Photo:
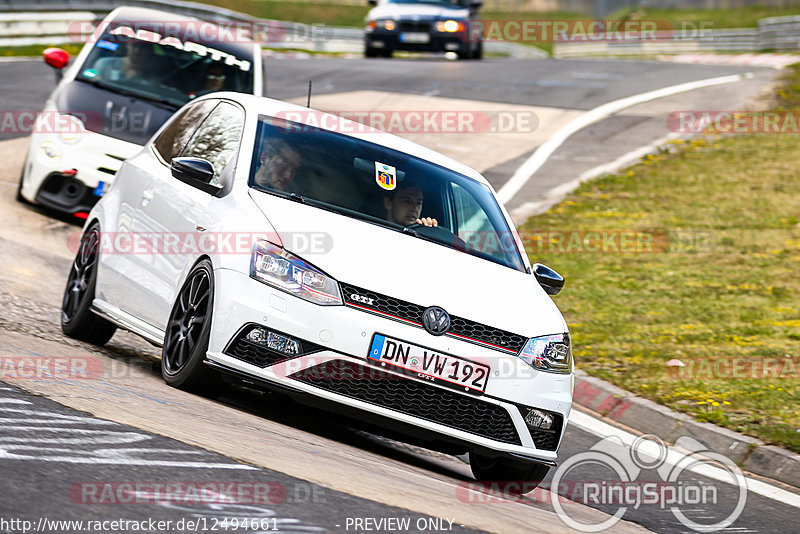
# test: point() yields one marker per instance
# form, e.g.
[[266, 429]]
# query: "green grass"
[[305, 12], [719, 287], [739, 17], [36, 50]]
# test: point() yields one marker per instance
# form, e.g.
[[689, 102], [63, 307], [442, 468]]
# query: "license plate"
[[429, 364], [415, 37]]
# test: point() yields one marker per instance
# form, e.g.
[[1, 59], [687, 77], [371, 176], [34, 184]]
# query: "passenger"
[[278, 165], [404, 206], [215, 78]]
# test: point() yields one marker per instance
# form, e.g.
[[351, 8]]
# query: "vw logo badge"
[[436, 321]]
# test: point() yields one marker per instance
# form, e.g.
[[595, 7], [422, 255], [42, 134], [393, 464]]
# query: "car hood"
[[423, 11], [119, 116], [408, 268]]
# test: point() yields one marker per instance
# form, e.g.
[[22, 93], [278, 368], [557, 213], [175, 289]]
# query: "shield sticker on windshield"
[[385, 176]]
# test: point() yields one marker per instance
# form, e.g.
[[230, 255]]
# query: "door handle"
[[147, 196]]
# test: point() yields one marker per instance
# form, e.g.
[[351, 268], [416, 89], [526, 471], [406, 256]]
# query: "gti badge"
[[362, 299]]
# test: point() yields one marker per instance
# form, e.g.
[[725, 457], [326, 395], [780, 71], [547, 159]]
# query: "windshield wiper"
[[116, 89]]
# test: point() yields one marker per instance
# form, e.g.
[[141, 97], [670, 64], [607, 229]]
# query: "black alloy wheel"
[[77, 319], [187, 335]]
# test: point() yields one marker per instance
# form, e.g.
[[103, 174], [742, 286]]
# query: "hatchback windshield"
[[163, 69], [382, 186]]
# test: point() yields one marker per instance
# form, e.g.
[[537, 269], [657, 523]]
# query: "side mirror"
[[476, 5], [372, 3], [551, 281], [56, 58], [197, 172]]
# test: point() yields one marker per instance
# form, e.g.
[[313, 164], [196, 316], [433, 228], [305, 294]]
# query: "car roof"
[[183, 27], [278, 108]]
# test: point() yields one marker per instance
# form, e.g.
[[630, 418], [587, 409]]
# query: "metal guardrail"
[[773, 34]]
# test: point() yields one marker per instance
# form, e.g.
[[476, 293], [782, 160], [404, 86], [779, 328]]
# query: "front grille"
[[413, 398], [414, 26], [546, 440], [412, 314], [253, 353]]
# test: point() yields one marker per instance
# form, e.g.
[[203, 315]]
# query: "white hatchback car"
[[141, 66], [251, 242]]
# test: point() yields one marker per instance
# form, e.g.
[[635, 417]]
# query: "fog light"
[[274, 341], [539, 419], [282, 344]]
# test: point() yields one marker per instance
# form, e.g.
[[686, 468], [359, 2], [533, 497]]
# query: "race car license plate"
[[415, 37], [429, 364]]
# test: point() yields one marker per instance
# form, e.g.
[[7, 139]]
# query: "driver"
[[138, 64], [404, 206], [279, 162]]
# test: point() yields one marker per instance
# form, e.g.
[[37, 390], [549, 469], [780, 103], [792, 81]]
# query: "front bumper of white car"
[[332, 366], [70, 173]]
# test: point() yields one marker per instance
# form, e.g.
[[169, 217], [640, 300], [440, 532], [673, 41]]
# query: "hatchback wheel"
[[77, 319], [187, 335], [504, 469]]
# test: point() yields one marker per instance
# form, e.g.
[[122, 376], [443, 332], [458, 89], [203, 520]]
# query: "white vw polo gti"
[[257, 240]]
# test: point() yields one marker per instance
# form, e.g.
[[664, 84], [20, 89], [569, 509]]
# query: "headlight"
[[549, 353], [450, 26], [70, 128], [279, 268], [384, 24]]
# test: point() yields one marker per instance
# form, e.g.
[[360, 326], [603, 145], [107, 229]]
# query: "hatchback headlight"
[[281, 269], [69, 128], [549, 353]]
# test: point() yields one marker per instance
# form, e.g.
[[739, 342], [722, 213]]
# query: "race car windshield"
[[379, 185], [170, 71]]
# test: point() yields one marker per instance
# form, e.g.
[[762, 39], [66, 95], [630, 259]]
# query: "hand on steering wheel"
[[425, 221]]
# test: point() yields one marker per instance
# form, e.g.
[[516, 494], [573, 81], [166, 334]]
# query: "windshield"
[[170, 71], [370, 182]]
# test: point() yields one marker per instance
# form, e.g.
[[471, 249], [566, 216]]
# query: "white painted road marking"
[[546, 149], [69, 443]]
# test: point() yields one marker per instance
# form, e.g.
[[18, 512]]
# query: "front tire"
[[187, 335], [77, 319], [505, 469]]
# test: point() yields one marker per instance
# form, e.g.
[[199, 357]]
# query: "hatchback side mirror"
[[56, 58], [476, 5], [197, 172], [551, 281], [372, 3]]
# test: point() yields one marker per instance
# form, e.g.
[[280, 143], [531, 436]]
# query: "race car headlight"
[[450, 26], [383, 24], [549, 353], [281, 269], [69, 128]]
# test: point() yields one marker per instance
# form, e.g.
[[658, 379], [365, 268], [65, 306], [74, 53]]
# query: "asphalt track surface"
[[40, 487]]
